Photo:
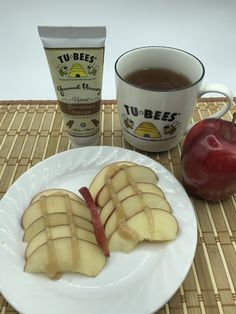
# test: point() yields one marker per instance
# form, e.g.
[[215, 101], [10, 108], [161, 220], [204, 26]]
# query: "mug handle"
[[216, 88]]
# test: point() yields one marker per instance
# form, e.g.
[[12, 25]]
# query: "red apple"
[[96, 221], [208, 159]]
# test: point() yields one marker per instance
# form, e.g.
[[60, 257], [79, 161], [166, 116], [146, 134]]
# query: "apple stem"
[[228, 135], [96, 221]]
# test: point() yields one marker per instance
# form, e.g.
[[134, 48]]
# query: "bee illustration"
[[92, 69], [128, 122], [63, 70], [171, 128]]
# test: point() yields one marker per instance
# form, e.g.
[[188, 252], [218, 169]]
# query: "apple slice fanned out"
[[54, 204], [135, 200], [99, 179], [60, 256], [62, 231], [54, 219], [61, 236], [132, 205], [136, 188], [123, 178], [165, 228], [60, 192]]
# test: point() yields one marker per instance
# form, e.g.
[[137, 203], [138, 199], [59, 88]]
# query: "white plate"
[[139, 282]]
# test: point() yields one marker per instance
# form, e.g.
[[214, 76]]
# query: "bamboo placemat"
[[31, 131]]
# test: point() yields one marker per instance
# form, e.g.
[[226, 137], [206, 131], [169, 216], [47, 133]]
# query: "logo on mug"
[[149, 128]]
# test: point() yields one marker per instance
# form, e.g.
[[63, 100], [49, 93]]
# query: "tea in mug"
[[158, 79]]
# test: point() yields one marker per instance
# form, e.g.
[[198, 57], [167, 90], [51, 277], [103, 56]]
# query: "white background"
[[205, 28]]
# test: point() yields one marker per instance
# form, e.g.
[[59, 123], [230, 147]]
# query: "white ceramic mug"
[[154, 120]]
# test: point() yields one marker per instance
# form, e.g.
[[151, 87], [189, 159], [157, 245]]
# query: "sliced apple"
[[54, 204], [97, 225], [99, 179], [59, 255], [61, 192], [54, 219], [132, 205], [165, 229], [62, 231], [139, 186], [123, 178], [126, 192]]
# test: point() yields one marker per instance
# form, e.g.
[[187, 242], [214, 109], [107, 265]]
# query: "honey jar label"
[[77, 78]]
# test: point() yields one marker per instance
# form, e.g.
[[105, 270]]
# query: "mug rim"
[[159, 90]]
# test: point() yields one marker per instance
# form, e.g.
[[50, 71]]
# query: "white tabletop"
[[204, 28]]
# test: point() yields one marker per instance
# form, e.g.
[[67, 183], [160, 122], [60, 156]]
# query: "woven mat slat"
[[31, 131]]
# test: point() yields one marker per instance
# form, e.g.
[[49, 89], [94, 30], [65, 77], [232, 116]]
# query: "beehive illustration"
[[77, 71], [147, 129]]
